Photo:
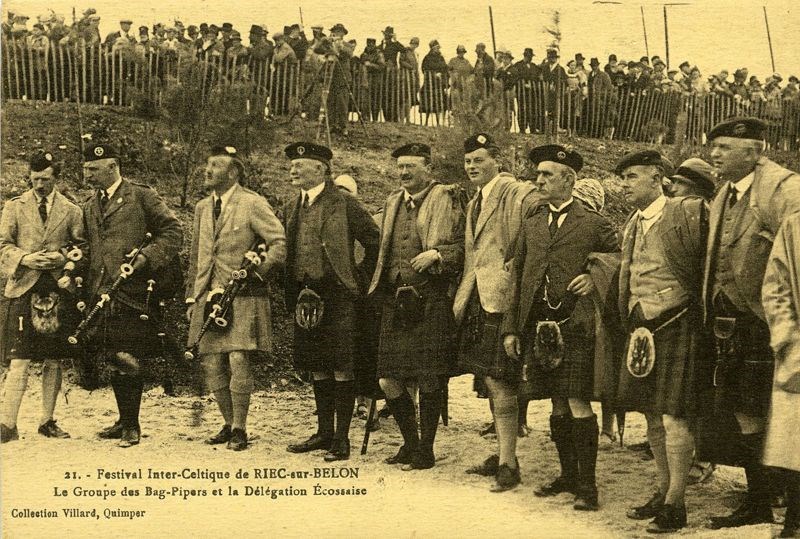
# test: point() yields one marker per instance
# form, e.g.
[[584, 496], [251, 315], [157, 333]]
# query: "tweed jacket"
[[22, 232]]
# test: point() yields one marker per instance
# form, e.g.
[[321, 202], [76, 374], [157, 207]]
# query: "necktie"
[[305, 200], [410, 204], [217, 208], [103, 200], [554, 217], [476, 210], [733, 196], [43, 209]]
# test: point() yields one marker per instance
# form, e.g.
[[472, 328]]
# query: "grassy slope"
[[27, 126]]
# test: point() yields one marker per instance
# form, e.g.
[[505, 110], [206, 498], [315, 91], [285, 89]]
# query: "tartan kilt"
[[480, 346], [332, 345], [673, 386], [573, 378], [121, 330], [423, 348], [249, 328], [22, 341]]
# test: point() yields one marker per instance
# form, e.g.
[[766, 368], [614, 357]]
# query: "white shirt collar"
[[224, 197], [312, 193], [49, 198], [113, 188], [564, 205], [654, 209], [743, 185], [486, 190]]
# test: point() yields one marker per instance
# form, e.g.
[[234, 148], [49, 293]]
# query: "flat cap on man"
[[227, 26], [697, 172], [126, 21], [557, 154], [478, 141], [740, 127], [40, 161], [414, 149], [95, 152], [643, 157], [309, 150]]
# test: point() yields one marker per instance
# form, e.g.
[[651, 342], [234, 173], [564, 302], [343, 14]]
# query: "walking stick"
[[445, 398], [367, 427], [621, 426]]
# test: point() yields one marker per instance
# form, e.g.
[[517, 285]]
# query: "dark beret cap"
[[308, 150], [95, 152], [478, 141], [414, 150], [40, 161], [740, 127], [557, 154], [644, 157], [230, 151]]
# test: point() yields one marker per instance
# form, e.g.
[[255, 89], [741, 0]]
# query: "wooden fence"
[[94, 74]]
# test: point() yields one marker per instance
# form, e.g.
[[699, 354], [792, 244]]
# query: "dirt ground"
[[442, 502]]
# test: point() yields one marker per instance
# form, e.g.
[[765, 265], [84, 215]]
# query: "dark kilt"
[[480, 345], [672, 387], [121, 330], [573, 378], [332, 345], [28, 343], [423, 348], [365, 360]]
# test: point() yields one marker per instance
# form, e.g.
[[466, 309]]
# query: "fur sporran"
[[549, 345], [309, 310], [44, 312], [641, 356]]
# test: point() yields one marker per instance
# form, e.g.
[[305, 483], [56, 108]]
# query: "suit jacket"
[[22, 232], [774, 195], [566, 254], [489, 248], [440, 225], [600, 82], [344, 221], [220, 247], [134, 210]]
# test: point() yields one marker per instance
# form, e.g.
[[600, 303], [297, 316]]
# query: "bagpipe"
[[125, 271], [219, 306]]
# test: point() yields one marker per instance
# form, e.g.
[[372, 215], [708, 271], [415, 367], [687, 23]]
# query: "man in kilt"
[[40, 232], [492, 224], [323, 284], [663, 249], [229, 223], [549, 327], [744, 217], [117, 218], [421, 253]]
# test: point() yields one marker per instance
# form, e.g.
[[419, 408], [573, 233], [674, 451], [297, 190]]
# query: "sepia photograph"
[[460, 268]]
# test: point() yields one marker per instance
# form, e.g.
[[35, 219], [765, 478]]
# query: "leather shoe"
[[403, 456], [130, 436], [586, 499], [51, 430], [8, 434], [317, 441], [649, 510], [487, 468], [506, 478], [670, 519], [555, 487], [221, 437], [746, 514], [340, 450], [114, 432], [238, 440], [421, 460]]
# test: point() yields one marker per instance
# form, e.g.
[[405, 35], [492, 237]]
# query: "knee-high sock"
[[136, 384], [324, 396], [561, 434], [656, 437], [240, 404], [758, 480], [680, 450], [584, 435], [120, 386], [505, 418], [13, 390], [792, 481], [225, 404], [345, 403], [51, 385], [430, 408], [522, 414], [405, 415]]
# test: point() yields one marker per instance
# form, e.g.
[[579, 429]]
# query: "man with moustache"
[[755, 198], [663, 247], [37, 232], [116, 217], [492, 225], [228, 223], [323, 284], [549, 278], [421, 253]]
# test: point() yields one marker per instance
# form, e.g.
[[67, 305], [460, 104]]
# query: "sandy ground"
[[442, 502]]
